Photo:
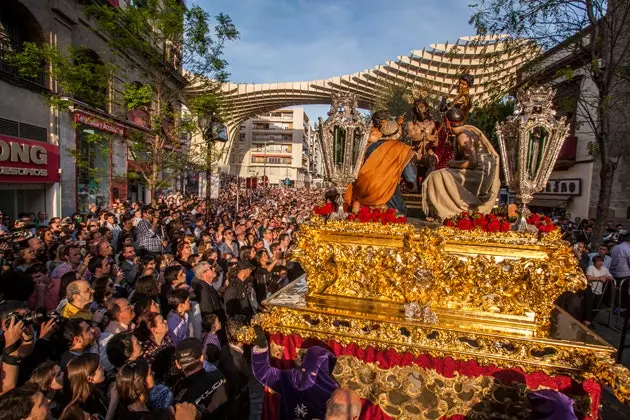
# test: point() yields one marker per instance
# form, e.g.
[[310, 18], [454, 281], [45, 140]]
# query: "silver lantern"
[[530, 141], [343, 138]]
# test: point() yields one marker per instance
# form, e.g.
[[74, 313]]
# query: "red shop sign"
[[101, 124], [28, 161]]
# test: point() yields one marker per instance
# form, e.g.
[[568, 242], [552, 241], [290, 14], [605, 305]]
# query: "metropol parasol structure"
[[434, 70]]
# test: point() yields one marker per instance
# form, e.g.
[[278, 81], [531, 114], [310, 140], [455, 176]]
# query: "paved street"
[[611, 408]]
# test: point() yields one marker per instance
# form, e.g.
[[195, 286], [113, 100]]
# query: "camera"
[[36, 317]]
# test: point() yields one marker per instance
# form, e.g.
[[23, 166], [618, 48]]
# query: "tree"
[[486, 118], [595, 32], [155, 40]]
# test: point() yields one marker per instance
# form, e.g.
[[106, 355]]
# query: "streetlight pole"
[[265, 164], [205, 123]]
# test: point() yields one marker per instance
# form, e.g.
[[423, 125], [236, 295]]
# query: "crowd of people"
[[605, 262], [137, 311], [134, 311]]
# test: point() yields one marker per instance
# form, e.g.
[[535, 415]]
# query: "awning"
[[551, 203]]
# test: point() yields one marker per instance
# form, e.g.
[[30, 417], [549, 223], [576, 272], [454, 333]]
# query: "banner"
[[28, 161]]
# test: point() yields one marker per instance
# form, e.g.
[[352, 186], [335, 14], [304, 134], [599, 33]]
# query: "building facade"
[[279, 145], [38, 143], [573, 187]]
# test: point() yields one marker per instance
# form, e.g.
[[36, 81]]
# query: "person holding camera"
[[149, 241]]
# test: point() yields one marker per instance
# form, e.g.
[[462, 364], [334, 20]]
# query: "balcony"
[[271, 138], [566, 158]]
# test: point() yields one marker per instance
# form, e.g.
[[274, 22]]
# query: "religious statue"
[[378, 119], [471, 180], [386, 160], [423, 134], [463, 100]]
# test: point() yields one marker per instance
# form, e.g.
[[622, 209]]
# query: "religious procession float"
[[454, 319]]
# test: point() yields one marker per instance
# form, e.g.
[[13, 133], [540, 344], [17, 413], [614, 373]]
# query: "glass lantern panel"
[[538, 138], [356, 145], [339, 145]]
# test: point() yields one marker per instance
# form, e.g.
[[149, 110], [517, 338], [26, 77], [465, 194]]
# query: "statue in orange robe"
[[386, 160]]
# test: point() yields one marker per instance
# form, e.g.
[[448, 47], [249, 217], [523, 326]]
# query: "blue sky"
[[293, 40]]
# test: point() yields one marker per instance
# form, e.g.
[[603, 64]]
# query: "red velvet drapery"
[[447, 367]]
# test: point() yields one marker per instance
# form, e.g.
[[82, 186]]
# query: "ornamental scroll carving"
[[509, 274], [411, 392]]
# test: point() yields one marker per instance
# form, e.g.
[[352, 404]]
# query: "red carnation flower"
[[365, 211], [351, 217], [494, 226], [505, 226], [464, 224], [364, 217], [533, 219], [477, 221], [448, 222]]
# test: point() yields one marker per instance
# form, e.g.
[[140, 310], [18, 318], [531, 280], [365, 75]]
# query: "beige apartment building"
[[280, 145]]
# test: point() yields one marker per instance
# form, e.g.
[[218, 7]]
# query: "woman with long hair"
[[152, 331], [133, 383], [145, 286], [83, 375], [263, 274], [48, 238], [143, 306], [49, 378]]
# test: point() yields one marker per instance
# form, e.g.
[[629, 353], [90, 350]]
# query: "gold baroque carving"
[[411, 392], [530, 354], [445, 268]]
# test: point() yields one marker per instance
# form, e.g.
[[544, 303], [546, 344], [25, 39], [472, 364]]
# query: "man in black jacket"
[[210, 301], [239, 297]]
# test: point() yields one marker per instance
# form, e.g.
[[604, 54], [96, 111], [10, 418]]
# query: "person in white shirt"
[[603, 252], [597, 276]]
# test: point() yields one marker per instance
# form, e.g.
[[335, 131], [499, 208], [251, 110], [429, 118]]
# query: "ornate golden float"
[[441, 292], [434, 322]]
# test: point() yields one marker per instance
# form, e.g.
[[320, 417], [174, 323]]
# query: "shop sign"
[[100, 123], [563, 187], [28, 161]]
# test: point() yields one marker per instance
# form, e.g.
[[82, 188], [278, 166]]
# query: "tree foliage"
[[397, 98], [486, 118], [596, 34]]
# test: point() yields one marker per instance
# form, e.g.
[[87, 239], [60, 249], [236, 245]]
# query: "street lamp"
[[209, 125]]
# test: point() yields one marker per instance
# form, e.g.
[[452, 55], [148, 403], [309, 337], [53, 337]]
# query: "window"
[[93, 87], [242, 136], [17, 26]]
